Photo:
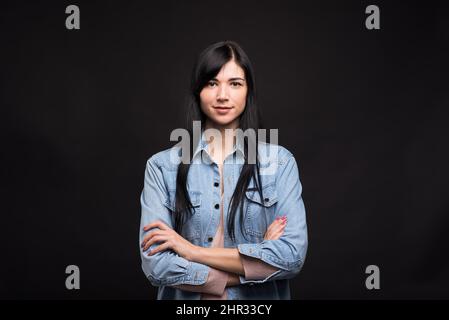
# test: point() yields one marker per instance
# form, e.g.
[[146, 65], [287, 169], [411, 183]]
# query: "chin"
[[222, 121]]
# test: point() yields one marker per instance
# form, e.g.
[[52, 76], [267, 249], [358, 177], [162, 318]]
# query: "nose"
[[222, 94]]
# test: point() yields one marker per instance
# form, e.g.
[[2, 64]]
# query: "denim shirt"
[[282, 195]]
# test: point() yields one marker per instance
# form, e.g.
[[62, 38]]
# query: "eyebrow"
[[230, 79]]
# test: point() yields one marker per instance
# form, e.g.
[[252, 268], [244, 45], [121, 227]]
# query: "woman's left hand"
[[168, 238]]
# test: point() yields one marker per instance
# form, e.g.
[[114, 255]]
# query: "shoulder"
[[270, 153], [276, 160], [167, 159]]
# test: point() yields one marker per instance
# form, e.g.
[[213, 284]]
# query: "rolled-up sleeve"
[[215, 284], [167, 267], [289, 251]]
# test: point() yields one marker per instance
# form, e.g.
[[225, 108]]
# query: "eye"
[[211, 83], [236, 84]]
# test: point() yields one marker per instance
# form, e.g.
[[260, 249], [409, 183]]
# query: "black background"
[[365, 112]]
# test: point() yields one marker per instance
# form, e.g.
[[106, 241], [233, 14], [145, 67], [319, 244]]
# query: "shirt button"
[[267, 199], [217, 206], [216, 184], [210, 239]]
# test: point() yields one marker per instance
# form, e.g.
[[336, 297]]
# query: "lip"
[[222, 110]]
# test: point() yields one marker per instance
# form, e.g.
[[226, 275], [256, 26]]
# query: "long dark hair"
[[207, 66]]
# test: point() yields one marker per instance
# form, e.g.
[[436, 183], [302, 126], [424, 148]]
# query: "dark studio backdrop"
[[365, 112]]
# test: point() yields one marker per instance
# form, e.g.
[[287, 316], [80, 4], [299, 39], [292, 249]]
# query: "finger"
[[277, 226], [160, 248], [277, 236], [275, 233], [271, 235], [283, 227], [155, 239], [278, 219], [279, 233], [150, 235], [156, 224], [270, 228], [274, 224]]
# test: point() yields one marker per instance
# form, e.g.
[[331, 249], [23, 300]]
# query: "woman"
[[186, 247]]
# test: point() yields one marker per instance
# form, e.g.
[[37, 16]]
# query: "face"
[[223, 98]]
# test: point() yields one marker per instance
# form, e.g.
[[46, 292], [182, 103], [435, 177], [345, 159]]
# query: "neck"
[[220, 149]]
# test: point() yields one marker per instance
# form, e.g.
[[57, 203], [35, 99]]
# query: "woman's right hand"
[[276, 228]]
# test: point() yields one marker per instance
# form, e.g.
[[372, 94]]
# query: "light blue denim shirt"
[[282, 195]]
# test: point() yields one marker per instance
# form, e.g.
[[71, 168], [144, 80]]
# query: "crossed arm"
[[225, 259]]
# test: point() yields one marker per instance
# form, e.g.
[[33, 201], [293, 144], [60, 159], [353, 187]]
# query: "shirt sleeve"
[[289, 251], [166, 267], [215, 284]]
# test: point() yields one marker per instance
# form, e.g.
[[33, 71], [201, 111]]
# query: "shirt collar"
[[202, 145]]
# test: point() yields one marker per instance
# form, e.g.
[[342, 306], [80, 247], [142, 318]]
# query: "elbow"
[[151, 273], [294, 269], [164, 269], [291, 269], [156, 269], [294, 260]]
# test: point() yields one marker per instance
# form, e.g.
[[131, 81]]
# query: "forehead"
[[230, 70]]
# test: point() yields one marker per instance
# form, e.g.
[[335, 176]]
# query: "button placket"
[[216, 194]]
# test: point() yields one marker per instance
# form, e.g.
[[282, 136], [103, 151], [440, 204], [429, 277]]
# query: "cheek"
[[240, 98], [206, 98]]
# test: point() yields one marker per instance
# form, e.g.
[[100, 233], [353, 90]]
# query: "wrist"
[[195, 253], [233, 280]]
